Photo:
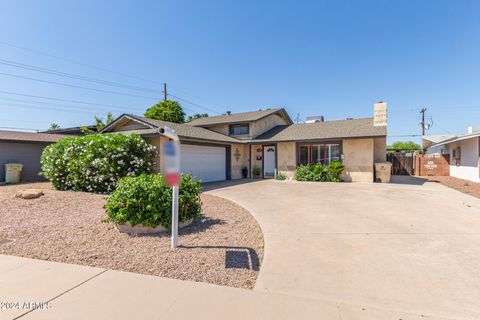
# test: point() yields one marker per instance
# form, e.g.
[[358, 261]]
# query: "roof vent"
[[313, 119]]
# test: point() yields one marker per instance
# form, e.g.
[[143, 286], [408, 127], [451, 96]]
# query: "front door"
[[269, 161]]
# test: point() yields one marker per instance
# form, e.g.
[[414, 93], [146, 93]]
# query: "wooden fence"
[[402, 163]]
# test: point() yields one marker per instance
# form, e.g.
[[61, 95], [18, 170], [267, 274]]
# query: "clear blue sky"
[[334, 58]]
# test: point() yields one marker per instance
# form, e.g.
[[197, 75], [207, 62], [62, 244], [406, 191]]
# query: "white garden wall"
[[468, 168]]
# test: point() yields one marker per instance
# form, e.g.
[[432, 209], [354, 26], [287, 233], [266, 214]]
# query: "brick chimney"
[[380, 114]]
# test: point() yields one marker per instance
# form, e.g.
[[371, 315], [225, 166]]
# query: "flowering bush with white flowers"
[[95, 163]]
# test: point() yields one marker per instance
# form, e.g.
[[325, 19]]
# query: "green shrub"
[[281, 176], [257, 172], [95, 163], [147, 200], [320, 172]]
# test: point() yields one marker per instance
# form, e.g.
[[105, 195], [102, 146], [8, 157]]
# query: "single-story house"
[[429, 141], [25, 148], [464, 151], [217, 148]]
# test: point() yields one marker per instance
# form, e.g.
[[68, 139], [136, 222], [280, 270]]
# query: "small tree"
[[197, 116], [405, 146], [100, 124], [54, 126], [168, 110]]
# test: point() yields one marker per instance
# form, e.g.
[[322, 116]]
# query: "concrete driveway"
[[408, 246]]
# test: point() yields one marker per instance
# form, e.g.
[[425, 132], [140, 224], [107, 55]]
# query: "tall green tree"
[[405, 145], [168, 110], [197, 116]]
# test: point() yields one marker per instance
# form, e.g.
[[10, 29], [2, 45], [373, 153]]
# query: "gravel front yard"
[[461, 185], [225, 249]]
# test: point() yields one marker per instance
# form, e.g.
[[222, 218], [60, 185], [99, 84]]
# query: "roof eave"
[[455, 139], [281, 110], [126, 116], [319, 139]]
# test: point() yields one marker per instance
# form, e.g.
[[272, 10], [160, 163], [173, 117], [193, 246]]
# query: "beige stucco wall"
[[286, 158], [256, 128], [158, 143], [256, 163], [358, 160], [380, 149], [128, 125], [221, 128], [265, 124], [241, 152]]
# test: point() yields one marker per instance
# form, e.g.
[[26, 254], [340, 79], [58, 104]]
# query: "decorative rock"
[[29, 194]]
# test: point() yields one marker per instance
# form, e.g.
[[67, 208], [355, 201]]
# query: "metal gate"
[[402, 163]]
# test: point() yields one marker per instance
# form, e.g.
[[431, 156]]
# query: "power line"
[[76, 86], [9, 100], [50, 108], [103, 69], [193, 103], [106, 107], [403, 136], [64, 100], [16, 128], [79, 63], [27, 121], [72, 76], [198, 97]]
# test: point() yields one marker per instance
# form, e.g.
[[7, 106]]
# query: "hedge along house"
[[217, 148]]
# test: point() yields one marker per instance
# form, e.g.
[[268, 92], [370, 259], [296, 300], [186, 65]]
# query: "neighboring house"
[[73, 131], [429, 141], [464, 151], [217, 148], [25, 148]]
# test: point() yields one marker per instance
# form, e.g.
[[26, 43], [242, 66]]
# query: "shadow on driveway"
[[235, 257], [208, 186], [411, 180]]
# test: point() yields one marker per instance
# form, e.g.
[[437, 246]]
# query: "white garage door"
[[204, 162]]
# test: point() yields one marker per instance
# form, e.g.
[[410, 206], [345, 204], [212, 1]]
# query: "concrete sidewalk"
[[78, 292]]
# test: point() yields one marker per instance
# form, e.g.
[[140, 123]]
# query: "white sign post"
[[171, 160]]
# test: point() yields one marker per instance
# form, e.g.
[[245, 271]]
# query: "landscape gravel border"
[[224, 247]]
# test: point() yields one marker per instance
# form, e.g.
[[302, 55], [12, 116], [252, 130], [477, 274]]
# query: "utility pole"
[[423, 126], [164, 91], [423, 120]]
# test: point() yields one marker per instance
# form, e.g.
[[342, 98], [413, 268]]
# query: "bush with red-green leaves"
[[147, 200]]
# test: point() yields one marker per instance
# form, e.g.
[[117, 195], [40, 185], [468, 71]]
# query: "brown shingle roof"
[[182, 130], [30, 136], [237, 117], [338, 129]]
